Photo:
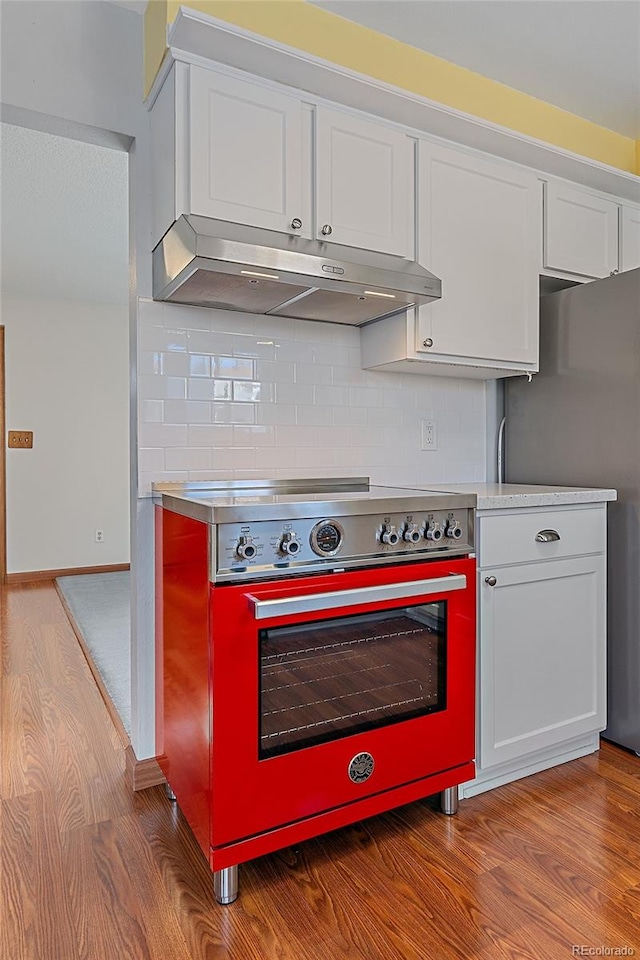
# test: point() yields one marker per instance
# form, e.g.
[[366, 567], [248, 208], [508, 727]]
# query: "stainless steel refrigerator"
[[578, 423]]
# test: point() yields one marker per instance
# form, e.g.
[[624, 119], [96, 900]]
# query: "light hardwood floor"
[[91, 871]]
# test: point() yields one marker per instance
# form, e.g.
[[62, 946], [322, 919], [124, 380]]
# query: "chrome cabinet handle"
[[547, 536], [491, 581], [296, 223], [428, 342], [327, 230], [311, 603]]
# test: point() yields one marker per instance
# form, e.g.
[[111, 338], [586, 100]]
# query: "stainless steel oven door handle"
[[313, 602]]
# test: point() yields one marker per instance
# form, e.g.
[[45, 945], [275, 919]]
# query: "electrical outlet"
[[20, 439], [99, 536], [429, 435]]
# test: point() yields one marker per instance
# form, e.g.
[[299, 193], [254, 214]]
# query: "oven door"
[[329, 689]]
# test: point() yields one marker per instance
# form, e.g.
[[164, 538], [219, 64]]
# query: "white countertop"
[[498, 496]]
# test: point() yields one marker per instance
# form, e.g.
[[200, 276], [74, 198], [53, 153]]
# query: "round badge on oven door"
[[361, 767]]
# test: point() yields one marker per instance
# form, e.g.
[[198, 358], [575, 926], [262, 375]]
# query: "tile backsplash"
[[224, 394]]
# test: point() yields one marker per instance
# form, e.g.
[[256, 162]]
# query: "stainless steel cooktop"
[[277, 527]]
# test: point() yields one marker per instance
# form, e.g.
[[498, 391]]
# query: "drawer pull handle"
[[491, 581], [547, 536]]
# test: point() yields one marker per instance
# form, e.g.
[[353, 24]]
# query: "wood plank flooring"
[[90, 871]]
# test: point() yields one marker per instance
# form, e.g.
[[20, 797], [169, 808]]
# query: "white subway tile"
[[382, 416], [313, 373], [348, 376], [199, 365], [235, 368], [365, 397], [315, 458], [151, 460], [188, 458], [162, 435], [294, 436], [311, 416], [161, 340], [330, 396], [327, 354], [200, 388], [149, 363], [332, 436], [151, 411], [187, 411], [299, 393], [175, 364], [210, 435], [223, 389], [250, 390], [291, 350], [242, 413], [256, 435], [348, 416], [271, 459], [258, 348], [275, 413], [274, 371], [242, 458], [275, 328]]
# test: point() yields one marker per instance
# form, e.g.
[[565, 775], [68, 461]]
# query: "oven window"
[[333, 678]]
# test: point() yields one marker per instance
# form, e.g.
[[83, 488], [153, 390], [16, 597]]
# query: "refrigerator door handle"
[[547, 536]]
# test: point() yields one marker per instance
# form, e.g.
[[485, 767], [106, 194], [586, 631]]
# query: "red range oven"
[[316, 657]]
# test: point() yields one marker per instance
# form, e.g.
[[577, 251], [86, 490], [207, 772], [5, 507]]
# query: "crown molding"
[[197, 37]]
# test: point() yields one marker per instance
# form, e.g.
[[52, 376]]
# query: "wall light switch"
[[20, 439]]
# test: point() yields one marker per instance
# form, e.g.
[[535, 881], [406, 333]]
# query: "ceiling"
[[64, 231], [581, 55]]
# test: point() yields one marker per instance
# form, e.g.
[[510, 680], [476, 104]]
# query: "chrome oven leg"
[[169, 792], [225, 884], [449, 801]]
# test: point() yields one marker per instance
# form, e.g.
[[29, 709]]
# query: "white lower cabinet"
[[542, 640]]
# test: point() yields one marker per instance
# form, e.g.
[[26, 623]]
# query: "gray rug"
[[99, 603]]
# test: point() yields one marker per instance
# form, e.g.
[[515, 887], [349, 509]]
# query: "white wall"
[[75, 68], [67, 380], [227, 394]]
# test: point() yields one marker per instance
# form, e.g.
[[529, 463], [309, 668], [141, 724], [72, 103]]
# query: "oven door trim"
[[249, 794], [315, 602]]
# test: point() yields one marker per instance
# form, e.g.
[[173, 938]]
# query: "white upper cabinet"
[[238, 150], [478, 230], [580, 231], [629, 237], [246, 154], [364, 183]]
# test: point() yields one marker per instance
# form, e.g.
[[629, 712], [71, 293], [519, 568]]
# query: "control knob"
[[245, 548], [389, 535], [289, 544], [411, 533], [453, 529], [433, 531]]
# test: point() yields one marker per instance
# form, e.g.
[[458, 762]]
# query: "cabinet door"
[[542, 656], [629, 238], [580, 231], [478, 230], [364, 185], [246, 150]]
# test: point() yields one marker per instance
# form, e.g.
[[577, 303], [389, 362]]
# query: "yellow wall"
[[358, 48]]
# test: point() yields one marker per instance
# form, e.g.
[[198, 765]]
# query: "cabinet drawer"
[[511, 538]]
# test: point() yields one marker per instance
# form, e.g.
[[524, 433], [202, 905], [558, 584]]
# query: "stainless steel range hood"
[[211, 263]]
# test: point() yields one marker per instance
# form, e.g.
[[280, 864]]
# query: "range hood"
[[212, 263]]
